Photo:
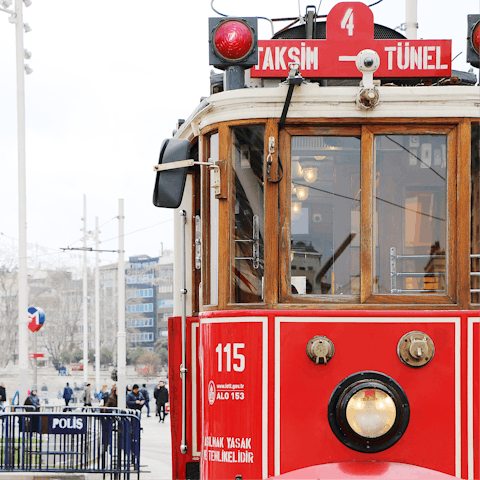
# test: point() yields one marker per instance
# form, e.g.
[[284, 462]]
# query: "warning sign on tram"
[[350, 29]]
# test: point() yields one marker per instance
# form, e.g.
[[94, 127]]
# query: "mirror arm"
[[181, 164]]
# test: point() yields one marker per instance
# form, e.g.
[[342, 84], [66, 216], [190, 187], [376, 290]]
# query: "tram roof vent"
[[380, 32]]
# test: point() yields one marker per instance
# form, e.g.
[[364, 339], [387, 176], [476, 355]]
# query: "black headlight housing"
[[368, 381]]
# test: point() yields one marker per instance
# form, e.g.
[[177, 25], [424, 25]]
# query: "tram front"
[[326, 309]]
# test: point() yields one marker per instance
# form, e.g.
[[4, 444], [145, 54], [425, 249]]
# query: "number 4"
[[347, 21]]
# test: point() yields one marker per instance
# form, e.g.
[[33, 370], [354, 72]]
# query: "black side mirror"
[[170, 184]]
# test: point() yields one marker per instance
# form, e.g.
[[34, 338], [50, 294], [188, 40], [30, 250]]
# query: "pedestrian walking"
[[161, 398], [67, 395], [112, 399], [146, 397], [3, 394], [34, 402], [104, 395], [87, 396], [135, 399]]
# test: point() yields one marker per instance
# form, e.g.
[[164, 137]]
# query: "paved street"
[[155, 456], [156, 451]]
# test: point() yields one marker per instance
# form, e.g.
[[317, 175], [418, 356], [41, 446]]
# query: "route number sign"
[[350, 29]]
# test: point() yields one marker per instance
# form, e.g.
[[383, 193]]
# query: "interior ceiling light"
[[368, 412], [28, 70], [310, 174], [6, 3], [302, 192], [319, 157], [27, 54], [27, 2], [27, 28], [296, 208]]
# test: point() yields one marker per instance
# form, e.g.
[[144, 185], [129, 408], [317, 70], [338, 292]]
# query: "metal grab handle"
[[183, 369], [256, 244], [394, 274], [474, 274], [198, 242]]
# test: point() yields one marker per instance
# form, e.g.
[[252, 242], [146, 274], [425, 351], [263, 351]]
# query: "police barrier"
[[86, 442]]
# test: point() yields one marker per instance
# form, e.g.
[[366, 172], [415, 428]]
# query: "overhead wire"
[[140, 230], [56, 252], [81, 238]]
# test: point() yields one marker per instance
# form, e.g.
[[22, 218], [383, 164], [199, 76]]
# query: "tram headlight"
[[368, 411], [371, 412]]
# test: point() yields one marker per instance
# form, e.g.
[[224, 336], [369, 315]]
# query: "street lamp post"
[[16, 17]]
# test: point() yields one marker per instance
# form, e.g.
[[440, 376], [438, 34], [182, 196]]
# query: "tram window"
[[325, 215], [409, 214], [249, 214], [475, 221]]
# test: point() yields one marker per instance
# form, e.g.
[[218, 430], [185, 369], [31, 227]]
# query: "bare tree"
[[62, 302], [8, 307]]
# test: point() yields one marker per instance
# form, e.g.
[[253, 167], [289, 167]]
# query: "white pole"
[[22, 211], [121, 335], [85, 294], [411, 25], [97, 310]]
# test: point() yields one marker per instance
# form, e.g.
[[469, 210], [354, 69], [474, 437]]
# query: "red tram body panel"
[[327, 275], [280, 390]]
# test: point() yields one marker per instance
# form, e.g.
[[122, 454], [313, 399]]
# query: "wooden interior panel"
[[366, 223]]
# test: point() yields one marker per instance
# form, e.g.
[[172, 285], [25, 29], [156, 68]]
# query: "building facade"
[[148, 299]]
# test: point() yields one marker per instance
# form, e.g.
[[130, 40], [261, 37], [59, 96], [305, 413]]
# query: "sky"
[[110, 80]]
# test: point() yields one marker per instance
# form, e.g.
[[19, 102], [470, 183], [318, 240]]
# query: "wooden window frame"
[[205, 149], [277, 218], [367, 134], [231, 209]]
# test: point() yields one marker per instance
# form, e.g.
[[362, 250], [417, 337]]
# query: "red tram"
[[327, 272]]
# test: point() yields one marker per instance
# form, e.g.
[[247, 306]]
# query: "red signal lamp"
[[233, 40], [473, 42], [476, 38]]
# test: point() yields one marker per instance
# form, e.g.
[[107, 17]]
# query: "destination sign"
[[350, 29]]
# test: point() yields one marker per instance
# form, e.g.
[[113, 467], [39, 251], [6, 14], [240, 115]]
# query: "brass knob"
[[415, 349], [320, 349]]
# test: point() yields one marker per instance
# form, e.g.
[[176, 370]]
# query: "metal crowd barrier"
[[71, 442], [70, 408]]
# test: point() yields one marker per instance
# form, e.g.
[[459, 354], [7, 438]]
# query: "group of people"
[[136, 397], [108, 398]]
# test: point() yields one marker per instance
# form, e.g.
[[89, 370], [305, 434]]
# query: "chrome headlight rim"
[[337, 407]]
